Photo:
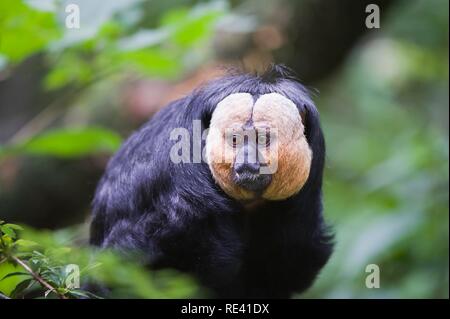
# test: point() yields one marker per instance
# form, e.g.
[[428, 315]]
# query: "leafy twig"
[[37, 277]]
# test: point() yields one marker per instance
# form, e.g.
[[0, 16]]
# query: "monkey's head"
[[256, 146]]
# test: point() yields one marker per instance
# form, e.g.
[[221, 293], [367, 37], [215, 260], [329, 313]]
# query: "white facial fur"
[[289, 150]]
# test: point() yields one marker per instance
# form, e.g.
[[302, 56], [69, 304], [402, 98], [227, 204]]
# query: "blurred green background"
[[68, 97]]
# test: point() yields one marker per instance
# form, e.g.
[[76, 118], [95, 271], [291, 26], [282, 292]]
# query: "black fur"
[[178, 217]]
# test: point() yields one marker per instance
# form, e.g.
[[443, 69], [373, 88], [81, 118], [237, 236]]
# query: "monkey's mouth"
[[252, 182]]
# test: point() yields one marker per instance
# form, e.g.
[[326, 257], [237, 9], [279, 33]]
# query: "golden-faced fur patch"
[[288, 155]]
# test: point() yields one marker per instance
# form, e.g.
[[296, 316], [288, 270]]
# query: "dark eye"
[[235, 139], [264, 138]]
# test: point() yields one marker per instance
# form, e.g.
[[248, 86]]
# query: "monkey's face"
[[257, 149]]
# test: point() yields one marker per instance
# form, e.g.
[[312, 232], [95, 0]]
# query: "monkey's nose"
[[252, 168], [247, 176]]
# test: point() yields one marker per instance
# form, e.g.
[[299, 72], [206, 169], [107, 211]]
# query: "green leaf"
[[14, 226], [191, 26], [25, 243], [153, 62], [69, 143], [8, 285], [21, 287], [67, 69], [17, 273], [24, 30], [196, 29], [8, 231]]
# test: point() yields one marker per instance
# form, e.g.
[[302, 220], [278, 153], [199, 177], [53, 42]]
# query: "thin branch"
[[53, 110], [37, 277], [37, 123], [45, 116]]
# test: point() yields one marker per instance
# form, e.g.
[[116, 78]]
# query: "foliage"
[[68, 142], [386, 182], [42, 266], [24, 30], [108, 41], [109, 44]]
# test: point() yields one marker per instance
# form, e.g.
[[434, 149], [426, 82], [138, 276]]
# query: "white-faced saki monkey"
[[225, 185]]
